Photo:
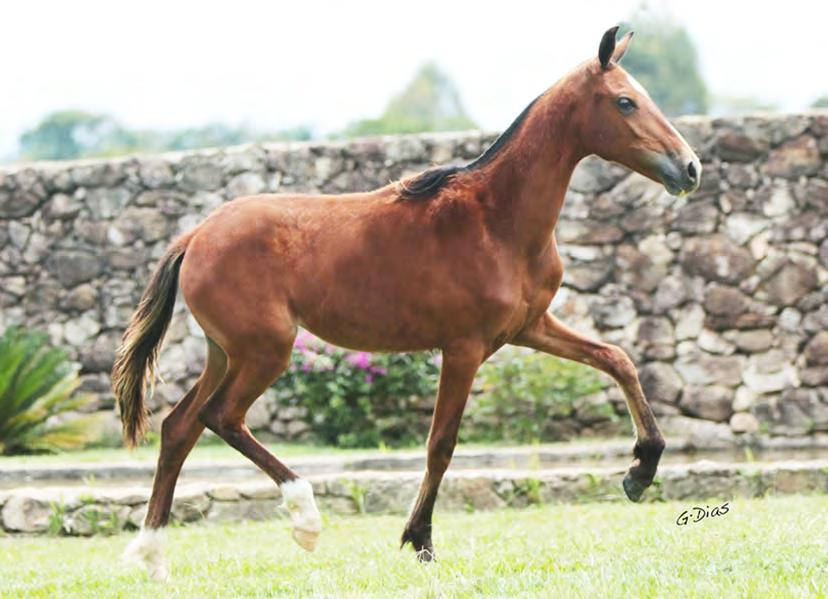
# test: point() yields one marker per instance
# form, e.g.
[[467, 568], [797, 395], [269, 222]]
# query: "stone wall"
[[720, 298], [84, 511]]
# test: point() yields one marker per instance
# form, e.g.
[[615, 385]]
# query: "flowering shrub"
[[357, 399], [522, 395]]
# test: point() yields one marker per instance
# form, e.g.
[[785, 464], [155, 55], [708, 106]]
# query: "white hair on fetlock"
[[145, 551], [304, 515]]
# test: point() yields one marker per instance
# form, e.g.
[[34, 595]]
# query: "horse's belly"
[[381, 326], [399, 313]]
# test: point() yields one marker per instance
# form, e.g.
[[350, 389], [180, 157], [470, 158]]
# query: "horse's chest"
[[539, 284]]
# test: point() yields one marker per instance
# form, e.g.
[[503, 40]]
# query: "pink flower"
[[303, 340], [361, 360]]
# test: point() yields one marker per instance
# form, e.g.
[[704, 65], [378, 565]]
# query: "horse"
[[460, 259]]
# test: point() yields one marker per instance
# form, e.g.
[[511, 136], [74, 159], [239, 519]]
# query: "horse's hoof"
[[425, 555], [304, 515], [306, 539], [159, 573], [145, 552], [634, 488]]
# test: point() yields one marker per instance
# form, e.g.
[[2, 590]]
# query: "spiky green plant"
[[37, 388]]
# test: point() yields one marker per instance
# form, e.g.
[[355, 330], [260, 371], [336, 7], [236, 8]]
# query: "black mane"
[[429, 182]]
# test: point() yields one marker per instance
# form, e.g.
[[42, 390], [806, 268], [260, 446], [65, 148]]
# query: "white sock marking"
[[145, 551], [304, 515]]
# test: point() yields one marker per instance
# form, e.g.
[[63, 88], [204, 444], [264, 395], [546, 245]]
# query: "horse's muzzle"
[[680, 175]]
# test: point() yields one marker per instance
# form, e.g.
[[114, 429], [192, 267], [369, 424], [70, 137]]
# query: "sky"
[[176, 63]]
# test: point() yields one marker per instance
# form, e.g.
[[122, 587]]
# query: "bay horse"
[[462, 259]]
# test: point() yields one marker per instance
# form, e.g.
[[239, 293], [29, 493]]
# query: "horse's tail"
[[136, 359]]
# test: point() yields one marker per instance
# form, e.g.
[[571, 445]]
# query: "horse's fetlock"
[[649, 450]]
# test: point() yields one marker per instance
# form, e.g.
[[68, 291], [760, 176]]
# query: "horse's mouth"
[[679, 176]]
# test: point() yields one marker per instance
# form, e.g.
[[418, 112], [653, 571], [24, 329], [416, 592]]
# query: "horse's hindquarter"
[[360, 271]]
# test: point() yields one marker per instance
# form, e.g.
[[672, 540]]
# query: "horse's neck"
[[530, 179]]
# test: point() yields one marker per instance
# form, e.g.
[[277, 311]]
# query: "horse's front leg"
[[549, 335], [460, 364]]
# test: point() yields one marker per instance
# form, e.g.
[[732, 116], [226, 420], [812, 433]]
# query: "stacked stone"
[[78, 240], [720, 298], [79, 511]]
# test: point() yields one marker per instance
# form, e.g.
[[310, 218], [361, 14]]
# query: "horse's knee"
[[208, 417], [227, 427], [212, 417]]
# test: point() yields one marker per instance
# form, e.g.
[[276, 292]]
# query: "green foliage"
[[37, 388], [821, 102], [56, 515], [358, 493], [218, 135], [100, 522], [522, 392], [526, 492], [430, 102], [69, 134], [738, 105], [663, 58], [356, 399]]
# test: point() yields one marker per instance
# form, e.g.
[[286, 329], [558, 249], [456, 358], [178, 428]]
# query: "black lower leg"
[[418, 528], [647, 454]]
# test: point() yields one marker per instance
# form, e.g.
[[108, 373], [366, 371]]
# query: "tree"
[[821, 102], [220, 135], [430, 102], [70, 134], [736, 105], [663, 58]]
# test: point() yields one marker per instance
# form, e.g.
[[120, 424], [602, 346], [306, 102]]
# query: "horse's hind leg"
[[249, 374], [179, 433], [551, 336]]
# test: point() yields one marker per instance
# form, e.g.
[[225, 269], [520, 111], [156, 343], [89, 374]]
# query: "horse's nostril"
[[691, 172]]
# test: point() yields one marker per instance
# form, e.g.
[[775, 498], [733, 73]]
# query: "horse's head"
[[620, 122]]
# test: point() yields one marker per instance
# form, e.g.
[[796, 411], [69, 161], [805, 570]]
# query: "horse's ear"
[[621, 47], [607, 46]]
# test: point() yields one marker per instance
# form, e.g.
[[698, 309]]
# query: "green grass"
[[212, 448], [217, 450], [208, 449], [776, 547]]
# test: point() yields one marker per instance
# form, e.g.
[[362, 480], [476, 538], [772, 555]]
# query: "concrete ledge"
[[86, 512], [541, 456]]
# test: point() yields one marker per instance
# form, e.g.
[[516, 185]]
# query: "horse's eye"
[[625, 104]]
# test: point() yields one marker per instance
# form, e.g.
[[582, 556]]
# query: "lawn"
[[775, 547], [211, 449], [207, 449]]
